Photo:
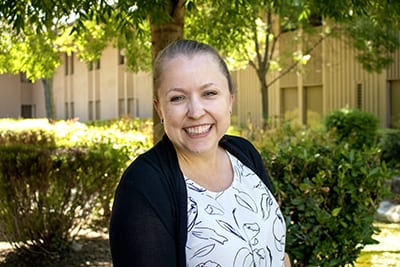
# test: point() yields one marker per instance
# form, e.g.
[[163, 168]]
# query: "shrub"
[[389, 143], [358, 128], [328, 192], [29, 132], [42, 190], [50, 190]]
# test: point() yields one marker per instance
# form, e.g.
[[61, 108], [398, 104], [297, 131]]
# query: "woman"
[[199, 197]]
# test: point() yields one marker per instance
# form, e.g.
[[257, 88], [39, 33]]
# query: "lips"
[[198, 130]]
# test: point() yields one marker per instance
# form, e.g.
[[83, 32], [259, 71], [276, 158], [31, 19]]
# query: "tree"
[[32, 54], [166, 24], [254, 30], [247, 32]]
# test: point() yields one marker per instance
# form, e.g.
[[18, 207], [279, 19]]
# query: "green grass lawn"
[[387, 252]]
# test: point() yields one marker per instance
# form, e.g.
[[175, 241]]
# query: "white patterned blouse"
[[240, 226]]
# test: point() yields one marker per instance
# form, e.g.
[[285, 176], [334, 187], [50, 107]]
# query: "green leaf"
[[335, 212]]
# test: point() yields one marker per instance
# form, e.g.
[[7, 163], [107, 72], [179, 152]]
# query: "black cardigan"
[[148, 224]]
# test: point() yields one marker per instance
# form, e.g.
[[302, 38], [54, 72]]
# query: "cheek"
[[174, 114]]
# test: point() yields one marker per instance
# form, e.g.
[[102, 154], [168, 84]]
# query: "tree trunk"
[[48, 97], [265, 101], [162, 35], [264, 94]]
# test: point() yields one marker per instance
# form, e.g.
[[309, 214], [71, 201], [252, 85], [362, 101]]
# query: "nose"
[[195, 108]]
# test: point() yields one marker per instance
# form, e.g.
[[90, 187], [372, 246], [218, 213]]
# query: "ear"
[[231, 100], [156, 105]]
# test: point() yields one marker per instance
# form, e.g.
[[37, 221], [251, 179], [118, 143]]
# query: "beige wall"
[[394, 107], [346, 84], [332, 79], [78, 89], [37, 100], [248, 96], [108, 84], [10, 96], [101, 93]]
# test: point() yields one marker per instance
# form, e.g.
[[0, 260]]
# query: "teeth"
[[198, 130]]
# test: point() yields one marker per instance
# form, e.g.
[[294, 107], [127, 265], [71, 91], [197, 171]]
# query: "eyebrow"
[[178, 89]]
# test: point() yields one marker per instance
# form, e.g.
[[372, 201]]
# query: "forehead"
[[194, 57], [192, 71], [184, 65]]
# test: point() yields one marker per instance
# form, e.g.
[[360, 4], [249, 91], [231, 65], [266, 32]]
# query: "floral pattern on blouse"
[[239, 227]]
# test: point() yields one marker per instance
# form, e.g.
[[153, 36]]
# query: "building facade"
[[332, 79]]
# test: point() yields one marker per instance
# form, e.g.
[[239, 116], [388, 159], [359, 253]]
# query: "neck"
[[199, 159], [212, 171]]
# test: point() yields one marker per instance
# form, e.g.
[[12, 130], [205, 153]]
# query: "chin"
[[199, 149]]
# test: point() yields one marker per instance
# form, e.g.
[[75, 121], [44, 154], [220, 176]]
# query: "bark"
[[263, 58], [49, 101], [162, 35], [264, 96]]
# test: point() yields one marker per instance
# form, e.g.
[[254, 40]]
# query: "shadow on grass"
[[94, 252]]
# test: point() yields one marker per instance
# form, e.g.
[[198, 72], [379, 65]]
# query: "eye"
[[176, 98], [210, 93]]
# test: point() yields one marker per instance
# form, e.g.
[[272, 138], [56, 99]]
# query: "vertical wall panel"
[[248, 97], [289, 100], [342, 74], [394, 69], [395, 103]]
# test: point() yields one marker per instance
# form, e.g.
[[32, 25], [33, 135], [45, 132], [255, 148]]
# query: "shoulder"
[[237, 144], [235, 140], [154, 173], [244, 150], [154, 166]]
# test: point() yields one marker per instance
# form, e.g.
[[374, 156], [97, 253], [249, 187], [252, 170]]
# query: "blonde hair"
[[187, 48]]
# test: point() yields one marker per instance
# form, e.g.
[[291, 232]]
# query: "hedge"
[[55, 178], [327, 190]]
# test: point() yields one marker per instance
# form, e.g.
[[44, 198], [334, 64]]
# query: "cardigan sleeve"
[[142, 221]]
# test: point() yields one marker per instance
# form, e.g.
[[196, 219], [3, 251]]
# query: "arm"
[[138, 236], [287, 261]]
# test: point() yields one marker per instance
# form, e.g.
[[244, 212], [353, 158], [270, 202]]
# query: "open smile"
[[198, 130]]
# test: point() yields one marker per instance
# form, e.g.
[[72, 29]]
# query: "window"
[[26, 111], [69, 64], [66, 111], [91, 110], [133, 107], [69, 110], [315, 20], [66, 65], [94, 64], [72, 109], [23, 79], [97, 109], [97, 64], [72, 64], [121, 58], [121, 107]]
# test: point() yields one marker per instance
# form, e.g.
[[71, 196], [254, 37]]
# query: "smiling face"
[[194, 102]]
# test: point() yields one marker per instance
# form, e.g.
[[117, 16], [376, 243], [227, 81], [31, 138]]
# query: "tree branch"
[[295, 63]]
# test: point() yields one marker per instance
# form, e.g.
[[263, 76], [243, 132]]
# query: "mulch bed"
[[93, 250]]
